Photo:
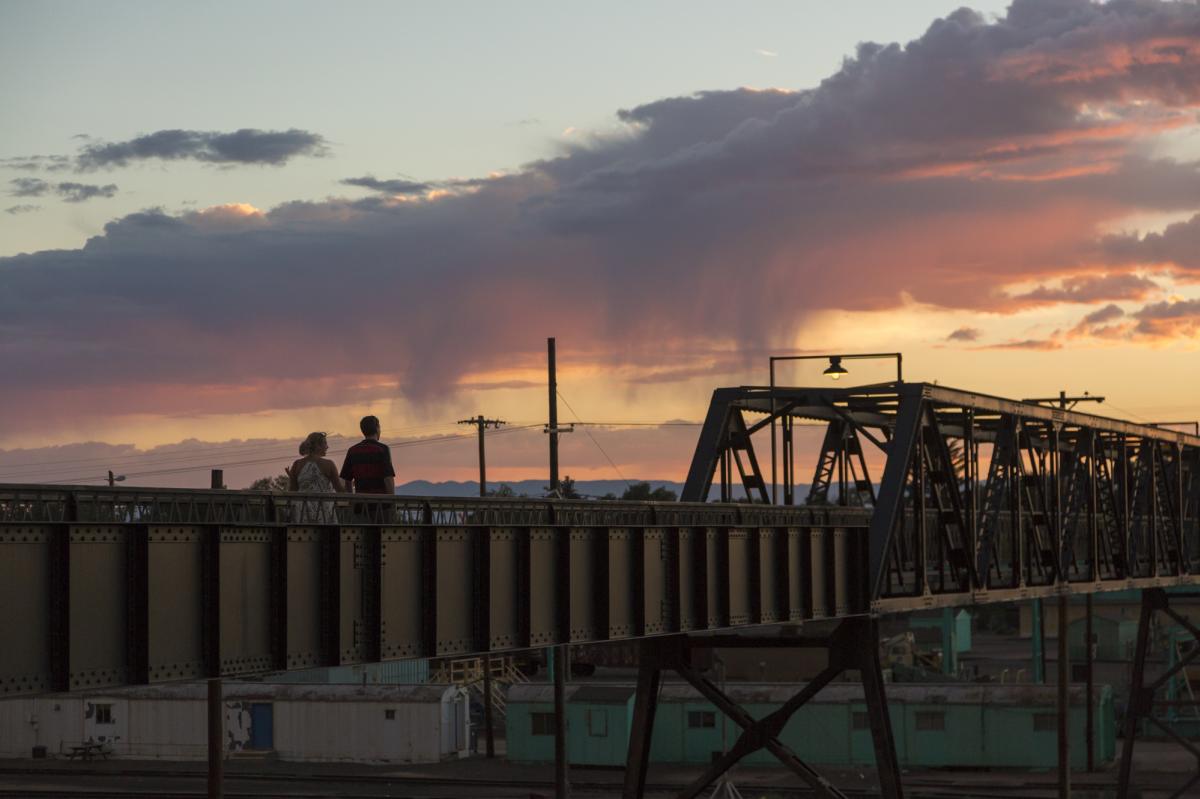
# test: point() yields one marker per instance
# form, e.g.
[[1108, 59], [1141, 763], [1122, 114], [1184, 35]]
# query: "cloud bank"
[[69, 191], [245, 146], [985, 154]]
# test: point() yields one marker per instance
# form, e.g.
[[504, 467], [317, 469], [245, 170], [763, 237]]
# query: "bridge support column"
[[853, 644], [216, 738], [1141, 695], [1064, 700], [875, 694], [562, 779], [645, 705]]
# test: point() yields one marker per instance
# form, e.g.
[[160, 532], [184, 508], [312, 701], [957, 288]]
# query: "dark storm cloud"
[[1093, 288], [22, 209], [245, 146], [28, 187], [35, 163], [1169, 310], [965, 334], [1178, 245], [81, 192], [394, 186], [1106, 314], [69, 191], [983, 155], [1102, 323], [1027, 344], [1168, 320]]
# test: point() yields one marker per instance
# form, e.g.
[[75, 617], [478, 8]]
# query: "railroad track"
[[327, 786]]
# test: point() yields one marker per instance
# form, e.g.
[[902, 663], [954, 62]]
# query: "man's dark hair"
[[369, 425]]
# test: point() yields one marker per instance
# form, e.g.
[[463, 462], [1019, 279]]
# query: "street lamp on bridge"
[[835, 371]]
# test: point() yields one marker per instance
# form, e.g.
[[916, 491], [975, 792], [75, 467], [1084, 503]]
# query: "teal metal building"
[[941, 725], [1115, 638]]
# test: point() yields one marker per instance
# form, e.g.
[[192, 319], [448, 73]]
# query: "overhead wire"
[[203, 455], [1126, 411], [219, 455], [204, 449], [594, 441], [173, 457], [641, 424], [269, 459], [150, 459]]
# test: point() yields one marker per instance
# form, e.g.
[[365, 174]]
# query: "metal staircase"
[[467, 673]]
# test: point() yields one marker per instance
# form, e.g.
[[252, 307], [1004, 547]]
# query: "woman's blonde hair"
[[311, 443]]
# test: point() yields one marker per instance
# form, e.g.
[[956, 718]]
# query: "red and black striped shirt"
[[367, 463]]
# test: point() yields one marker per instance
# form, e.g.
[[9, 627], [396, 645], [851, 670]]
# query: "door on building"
[[262, 733]]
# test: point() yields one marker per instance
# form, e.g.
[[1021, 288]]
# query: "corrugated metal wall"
[[392, 672]]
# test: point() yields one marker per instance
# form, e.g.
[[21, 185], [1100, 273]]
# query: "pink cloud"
[[982, 155]]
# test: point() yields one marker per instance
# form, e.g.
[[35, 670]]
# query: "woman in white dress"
[[313, 473]]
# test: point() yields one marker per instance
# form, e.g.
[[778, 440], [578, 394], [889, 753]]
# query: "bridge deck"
[[103, 587]]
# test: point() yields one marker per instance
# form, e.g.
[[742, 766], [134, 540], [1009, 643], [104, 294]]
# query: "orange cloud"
[[988, 154]]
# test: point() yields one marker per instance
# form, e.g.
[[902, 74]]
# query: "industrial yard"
[[968, 721]]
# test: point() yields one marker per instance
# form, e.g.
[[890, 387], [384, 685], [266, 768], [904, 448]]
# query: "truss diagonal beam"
[[890, 504], [1141, 694]]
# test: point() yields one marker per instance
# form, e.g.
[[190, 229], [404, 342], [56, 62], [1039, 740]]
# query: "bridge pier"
[[1141, 696], [216, 739], [852, 644]]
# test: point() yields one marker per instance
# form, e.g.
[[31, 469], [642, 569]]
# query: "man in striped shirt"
[[368, 466]]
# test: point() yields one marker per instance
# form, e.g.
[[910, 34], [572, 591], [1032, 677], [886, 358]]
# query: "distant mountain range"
[[530, 488], [537, 488]]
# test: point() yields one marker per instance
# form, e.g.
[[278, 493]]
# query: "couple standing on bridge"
[[367, 469]]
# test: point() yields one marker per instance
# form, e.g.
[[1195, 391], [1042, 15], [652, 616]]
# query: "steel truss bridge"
[[979, 499]]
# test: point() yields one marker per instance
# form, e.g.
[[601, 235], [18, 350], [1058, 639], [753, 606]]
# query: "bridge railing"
[[106, 587]]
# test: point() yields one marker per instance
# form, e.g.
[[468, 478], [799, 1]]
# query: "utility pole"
[[552, 427], [216, 739], [482, 424], [557, 661]]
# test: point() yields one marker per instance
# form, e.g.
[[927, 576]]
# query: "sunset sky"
[[225, 225]]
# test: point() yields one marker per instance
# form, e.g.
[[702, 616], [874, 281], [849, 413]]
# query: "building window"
[[1045, 722], [104, 714], [931, 720], [858, 721], [597, 721], [700, 719], [1078, 672], [389, 714], [542, 723]]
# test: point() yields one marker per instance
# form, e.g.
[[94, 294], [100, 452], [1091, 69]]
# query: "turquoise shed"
[[1115, 638], [960, 725], [598, 718]]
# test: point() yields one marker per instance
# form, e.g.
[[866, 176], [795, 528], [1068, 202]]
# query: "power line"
[[641, 424], [205, 453], [161, 458], [594, 441], [1128, 412], [158, 459], [250, 462], [203, 450]]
